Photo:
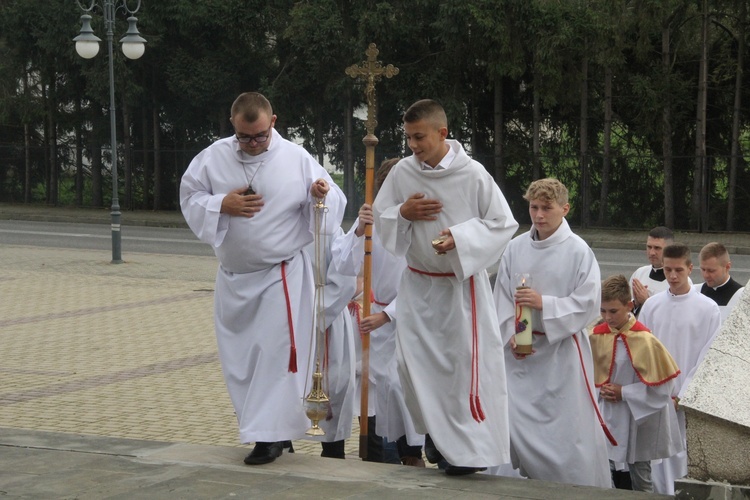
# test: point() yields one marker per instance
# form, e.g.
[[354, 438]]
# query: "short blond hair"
[[548, 190], [717, 250], [616, 288]]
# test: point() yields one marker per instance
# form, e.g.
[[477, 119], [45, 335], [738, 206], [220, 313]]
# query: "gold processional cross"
[[372, 71]]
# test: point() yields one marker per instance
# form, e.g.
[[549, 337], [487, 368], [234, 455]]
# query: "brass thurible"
[[316, 404]]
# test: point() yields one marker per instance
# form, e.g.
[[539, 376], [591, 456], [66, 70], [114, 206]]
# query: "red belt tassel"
[[293, 347], [474, 403]]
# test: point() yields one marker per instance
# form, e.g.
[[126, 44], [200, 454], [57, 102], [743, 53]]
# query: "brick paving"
[[114, 350], [126, 354], [128, 350]]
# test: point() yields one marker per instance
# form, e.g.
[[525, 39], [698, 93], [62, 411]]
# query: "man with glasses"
[[250, 197]]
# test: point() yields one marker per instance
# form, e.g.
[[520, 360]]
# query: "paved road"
[[149, 239], [181, 241], [615, 261]]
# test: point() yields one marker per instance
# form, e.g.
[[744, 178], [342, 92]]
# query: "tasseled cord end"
[[609, 435], [476, 408], [293, 360]]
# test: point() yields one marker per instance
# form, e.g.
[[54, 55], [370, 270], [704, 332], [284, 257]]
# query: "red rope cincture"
[[293, 347], [373, 301], [475, 404], [591, 396], [434, 275]]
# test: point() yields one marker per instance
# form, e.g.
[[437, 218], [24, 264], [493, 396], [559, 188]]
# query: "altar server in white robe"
[[393, 421], [447, 339], [250, 197], [336, 352], [555, 425], [635, 375], [686, 322]]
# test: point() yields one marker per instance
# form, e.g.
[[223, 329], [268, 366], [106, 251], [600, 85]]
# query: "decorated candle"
[[523, 318]]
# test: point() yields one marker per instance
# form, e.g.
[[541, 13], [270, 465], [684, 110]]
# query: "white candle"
[[524, 337]]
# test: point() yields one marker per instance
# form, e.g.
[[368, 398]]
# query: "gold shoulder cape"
[[650, 359]]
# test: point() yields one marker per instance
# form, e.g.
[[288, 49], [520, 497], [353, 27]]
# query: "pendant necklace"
[[250, 189]]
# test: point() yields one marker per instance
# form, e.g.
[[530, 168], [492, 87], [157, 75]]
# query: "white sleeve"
[[644, 400], [713, 324], [200, 206], [566, 316], [348, 251]]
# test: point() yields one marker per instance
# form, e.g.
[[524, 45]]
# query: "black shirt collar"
[[657, 274], [722, 294]]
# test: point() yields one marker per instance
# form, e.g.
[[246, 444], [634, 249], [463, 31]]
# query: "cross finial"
[[371, 71]]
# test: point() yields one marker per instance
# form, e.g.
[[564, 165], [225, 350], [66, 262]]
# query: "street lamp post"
[[87, 46]]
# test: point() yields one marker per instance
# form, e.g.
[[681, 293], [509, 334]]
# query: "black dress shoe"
[[265, 453], [457, 470], [430, 452], [333, 449]]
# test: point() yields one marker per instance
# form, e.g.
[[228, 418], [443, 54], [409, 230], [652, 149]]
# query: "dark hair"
[[250, 105], [426, 109], [382, 172], [677, 251], [662, 232]]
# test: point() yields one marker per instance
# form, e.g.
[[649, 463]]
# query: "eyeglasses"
[[258, 138]]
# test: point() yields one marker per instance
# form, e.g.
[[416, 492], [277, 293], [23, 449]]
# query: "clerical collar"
[[657, 274], [729, 278], [444, 163], [721, 294]]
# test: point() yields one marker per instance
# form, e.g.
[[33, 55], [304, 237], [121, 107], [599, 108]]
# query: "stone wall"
[[717, 405], [718, 450]]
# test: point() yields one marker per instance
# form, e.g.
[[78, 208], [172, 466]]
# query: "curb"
[[604, 238]]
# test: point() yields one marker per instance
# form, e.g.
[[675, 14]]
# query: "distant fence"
[[635, 194]]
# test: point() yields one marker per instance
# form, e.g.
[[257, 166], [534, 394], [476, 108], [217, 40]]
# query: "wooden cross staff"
[[371, 71]]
